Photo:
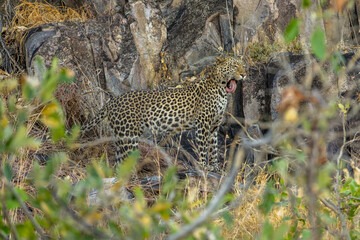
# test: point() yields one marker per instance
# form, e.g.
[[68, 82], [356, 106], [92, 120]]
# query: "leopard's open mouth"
[[231, 86]]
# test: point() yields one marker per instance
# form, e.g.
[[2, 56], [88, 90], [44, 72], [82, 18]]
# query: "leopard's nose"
[[241, 77]]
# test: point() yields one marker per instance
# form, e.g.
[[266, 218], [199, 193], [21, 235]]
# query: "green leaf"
[[74, 134], [280, 232], [139, 196], [21, 140], [306, 3], [354, 234], [292, 30], [324, 177], [267, 231], [306, 234], [287, 218], [66, 75], [26, 230], [5, 135], [282, 167], [58, 132], [11, 201], [5, 230], [268, 201], [318, 44], [341, 106], [22, 194], [337, 61], [126, 168], [7, 171], [22, 117], [354, 187], [170, 180], [53, 117], [228, 218]]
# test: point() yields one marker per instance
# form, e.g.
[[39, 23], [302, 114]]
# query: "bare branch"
[[345, 232], [7, 217], [26, 210], [206, 214], [3, 236]]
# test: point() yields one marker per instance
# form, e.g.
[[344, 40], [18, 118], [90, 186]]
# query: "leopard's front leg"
[[206, 141], [213, 153]]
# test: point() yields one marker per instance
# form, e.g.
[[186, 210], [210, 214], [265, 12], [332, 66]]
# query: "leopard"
[[199, 105]]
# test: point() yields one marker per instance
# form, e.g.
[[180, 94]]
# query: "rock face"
[[101, 50]]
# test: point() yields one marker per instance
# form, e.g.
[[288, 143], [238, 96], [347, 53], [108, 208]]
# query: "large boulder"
[[100, 51]]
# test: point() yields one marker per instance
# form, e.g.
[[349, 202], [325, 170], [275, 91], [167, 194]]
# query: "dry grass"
[[248, 220], [33, 14]]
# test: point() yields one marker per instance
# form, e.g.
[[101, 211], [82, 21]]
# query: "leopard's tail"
[[101, 115]]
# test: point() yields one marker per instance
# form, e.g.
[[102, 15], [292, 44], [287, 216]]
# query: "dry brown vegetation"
[[33, 14]]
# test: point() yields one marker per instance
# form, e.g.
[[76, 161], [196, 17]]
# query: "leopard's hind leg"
[[100, 116], [124, 146], [127, 133]]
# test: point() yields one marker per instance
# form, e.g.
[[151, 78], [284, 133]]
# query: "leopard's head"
[[227, 71]]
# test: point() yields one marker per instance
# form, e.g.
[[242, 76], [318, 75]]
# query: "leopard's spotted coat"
[[200, 105]]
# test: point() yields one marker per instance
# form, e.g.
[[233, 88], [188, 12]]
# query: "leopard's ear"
[[220, 59]]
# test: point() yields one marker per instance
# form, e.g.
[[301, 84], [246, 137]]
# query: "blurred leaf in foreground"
[[318, 44]]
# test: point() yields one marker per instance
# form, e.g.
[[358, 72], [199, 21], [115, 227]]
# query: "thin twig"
[[349, 206], [335, 234], [7, 217], [337, 180], [355, 198], [3, 236], [345, 232], [26, 210]]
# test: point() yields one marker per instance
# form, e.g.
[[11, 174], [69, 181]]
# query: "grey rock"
[[90, 49], [265, 21], [111, 192], [36, 39], [149, 33], [284, 78], [100, 51], [254, 90], [188, 41]]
